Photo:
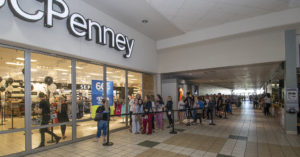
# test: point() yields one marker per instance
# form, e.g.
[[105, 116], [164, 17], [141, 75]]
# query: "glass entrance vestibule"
[[74, 89]]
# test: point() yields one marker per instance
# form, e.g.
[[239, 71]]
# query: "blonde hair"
[[169, 98]]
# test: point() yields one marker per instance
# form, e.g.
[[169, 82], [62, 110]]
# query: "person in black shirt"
[[44, 110], [62, 114], [188, 105], [169, 108]]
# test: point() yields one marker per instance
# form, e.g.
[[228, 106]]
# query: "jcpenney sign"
[[76, 24]]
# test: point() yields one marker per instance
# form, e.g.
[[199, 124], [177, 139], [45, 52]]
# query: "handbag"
[[98, 116]]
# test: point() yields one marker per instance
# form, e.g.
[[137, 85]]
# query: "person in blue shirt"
[[199, 109]]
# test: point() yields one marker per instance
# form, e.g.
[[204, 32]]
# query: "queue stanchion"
[[108, 143], [173, 124]]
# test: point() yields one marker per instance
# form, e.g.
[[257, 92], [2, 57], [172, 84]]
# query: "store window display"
[[116, 96], [12, 104], [86, 75], [51, 77], [134, 83]]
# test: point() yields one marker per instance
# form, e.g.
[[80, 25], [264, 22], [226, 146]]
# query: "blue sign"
[[97, 92]]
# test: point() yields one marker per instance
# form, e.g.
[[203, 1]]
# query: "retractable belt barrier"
[[108, 143]]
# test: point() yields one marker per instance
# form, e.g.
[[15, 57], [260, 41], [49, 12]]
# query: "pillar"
[[290, 119]]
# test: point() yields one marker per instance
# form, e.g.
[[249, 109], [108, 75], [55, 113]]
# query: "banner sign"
[[98, 94]]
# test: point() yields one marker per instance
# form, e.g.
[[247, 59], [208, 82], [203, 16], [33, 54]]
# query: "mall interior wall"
[[33, 35], [250, 48]]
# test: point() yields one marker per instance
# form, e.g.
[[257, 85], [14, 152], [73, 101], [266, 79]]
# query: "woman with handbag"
[[102, 119], [62, 114]]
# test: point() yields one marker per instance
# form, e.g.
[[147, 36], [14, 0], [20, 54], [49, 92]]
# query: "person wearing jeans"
[[102, 124]]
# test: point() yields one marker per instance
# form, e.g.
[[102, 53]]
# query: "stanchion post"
[[108, 143], [173, 124]]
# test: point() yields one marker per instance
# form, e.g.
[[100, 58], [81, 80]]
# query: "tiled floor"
[[246, 133]]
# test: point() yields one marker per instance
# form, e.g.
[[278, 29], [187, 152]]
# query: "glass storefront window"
[[50, 79], [116, 96], [51, 139], [134, 84], [51, 97], [87, 100], [12, 143], [148, 84], [12, 103]]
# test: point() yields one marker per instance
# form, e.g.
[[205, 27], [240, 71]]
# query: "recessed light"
[[145, 21]]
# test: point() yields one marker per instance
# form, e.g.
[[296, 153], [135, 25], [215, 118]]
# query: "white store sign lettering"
[[77, 24]]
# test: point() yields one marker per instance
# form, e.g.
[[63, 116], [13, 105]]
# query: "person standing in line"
[[219, 105], [267, 104], [152, 99], [188, 105], [169, 108], [211, 108], [135, 117], [205, 110], [131, 102], [199, 111], [102, 124], [62, 114], [195, 109], [181, 113], [159, 116], [44, 111], [141, 116], [147, 115]]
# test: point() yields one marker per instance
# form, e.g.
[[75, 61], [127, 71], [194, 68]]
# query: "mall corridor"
[[245, 133]]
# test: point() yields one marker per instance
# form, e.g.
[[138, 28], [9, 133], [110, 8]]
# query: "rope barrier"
[[108, 143]]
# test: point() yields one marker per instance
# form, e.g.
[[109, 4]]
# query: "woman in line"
[[135, 117], [147, 120], [169, 108], [181, 114], [102, 124], [152, 99], [62, 114], [159, 108]]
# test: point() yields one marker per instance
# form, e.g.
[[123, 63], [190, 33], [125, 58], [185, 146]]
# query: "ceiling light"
[[109, 72], [133, 79], [64, 79], [22, 59], [33, 70], [145, 21], [12, 63], [61, 70], [95, 74], [77, 67], [64, 73], [130, 75]]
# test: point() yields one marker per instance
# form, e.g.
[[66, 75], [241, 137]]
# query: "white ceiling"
[[238, 77], [168, 18]]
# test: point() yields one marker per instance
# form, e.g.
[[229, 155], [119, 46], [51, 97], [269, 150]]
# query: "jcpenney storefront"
[[70, 49]]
